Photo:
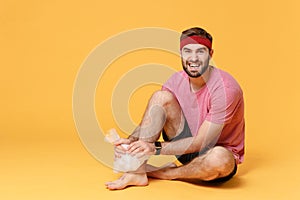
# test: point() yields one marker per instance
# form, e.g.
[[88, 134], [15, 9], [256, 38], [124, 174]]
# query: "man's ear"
[[211, 52]]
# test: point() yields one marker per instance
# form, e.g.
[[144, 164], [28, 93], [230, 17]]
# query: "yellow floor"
[[44, 43], [54, 168]]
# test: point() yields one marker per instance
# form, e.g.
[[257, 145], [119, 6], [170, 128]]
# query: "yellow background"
[[43, 44]]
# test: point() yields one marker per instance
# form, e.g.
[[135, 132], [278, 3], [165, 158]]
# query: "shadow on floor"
[[252, 162], [235, 182]]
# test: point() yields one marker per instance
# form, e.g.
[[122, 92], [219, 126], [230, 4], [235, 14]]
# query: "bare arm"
[[135, 134], [208, 134]]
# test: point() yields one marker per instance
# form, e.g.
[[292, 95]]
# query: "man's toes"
[[108, 183], [112, 186], [115, 185]]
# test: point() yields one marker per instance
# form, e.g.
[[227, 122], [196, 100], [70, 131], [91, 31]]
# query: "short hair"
[[196, 31]]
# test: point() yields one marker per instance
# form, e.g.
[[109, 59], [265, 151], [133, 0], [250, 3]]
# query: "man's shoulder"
[[177, 78], [176, 82], [221, 81], [226, 79], [224, 74], [179, 75]]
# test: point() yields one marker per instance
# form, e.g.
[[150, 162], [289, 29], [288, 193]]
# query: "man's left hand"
[[141, 147]]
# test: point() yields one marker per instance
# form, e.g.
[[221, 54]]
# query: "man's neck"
[[197, 83]]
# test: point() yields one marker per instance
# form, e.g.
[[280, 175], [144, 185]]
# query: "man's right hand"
[[121, 146], [122, 141]]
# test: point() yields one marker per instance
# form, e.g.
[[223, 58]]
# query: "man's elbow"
[[195, 147]]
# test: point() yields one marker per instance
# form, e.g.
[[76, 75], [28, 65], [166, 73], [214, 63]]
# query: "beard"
[[195, 74]]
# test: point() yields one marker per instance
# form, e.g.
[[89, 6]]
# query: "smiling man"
[[200, 114]]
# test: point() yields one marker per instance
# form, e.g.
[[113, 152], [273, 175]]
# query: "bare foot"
[[128, 179], [159, 172]]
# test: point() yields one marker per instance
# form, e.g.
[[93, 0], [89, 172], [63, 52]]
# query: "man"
[[200, 113]]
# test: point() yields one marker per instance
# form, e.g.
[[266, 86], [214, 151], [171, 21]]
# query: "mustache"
[[195, 63]]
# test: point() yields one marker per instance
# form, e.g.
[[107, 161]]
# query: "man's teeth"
[[193, 65]]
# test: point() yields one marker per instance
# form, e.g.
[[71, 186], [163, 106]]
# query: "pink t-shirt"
[[220, 101]]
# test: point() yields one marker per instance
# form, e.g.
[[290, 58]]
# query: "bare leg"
[[138, 178], [216, 163], [163, 111]]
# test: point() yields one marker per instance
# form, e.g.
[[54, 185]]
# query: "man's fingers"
[[120, 149], [121, 141], [136, 150], [133, 146]]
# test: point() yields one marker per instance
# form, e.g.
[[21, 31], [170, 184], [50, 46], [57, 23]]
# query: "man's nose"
[[194, 57]]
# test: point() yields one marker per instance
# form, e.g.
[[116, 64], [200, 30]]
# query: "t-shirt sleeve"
[[223, 105], [170, 84], [164, 88]]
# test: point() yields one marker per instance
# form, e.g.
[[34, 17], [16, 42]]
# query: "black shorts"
[[225, 178], [186, 158]]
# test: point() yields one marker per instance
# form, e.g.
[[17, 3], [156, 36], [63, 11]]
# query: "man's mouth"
[[193, 65]]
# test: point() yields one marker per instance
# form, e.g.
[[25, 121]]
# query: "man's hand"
[[122, 141], [121, 146], [141, 147]]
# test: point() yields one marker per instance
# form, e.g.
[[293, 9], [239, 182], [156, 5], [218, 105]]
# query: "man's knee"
[[218, 162], [163, 98], [220, 159]]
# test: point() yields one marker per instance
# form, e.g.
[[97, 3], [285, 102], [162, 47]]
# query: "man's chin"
[[194, 72], [194, 75]]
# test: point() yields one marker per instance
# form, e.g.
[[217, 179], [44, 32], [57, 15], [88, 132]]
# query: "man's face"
[[195, 59]]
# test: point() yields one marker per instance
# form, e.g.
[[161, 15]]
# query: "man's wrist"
[[132, 138], [158, 147]]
